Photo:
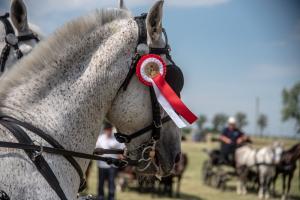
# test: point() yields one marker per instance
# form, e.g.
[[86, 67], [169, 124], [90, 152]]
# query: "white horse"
[[19, 20], [67, 86], [263, 160]]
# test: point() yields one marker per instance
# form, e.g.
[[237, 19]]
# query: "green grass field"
[[192, 187]]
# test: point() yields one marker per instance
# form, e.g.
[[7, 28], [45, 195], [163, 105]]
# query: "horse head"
[[17, 37], [135, 104], [277, 149]]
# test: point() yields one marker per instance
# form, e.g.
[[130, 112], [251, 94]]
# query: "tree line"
[[290, 111], [219, 122]]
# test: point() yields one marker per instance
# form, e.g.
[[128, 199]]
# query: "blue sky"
[[231, 51]]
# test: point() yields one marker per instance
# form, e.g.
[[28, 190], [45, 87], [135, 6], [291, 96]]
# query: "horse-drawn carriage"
[[216, 172], [256, 168]]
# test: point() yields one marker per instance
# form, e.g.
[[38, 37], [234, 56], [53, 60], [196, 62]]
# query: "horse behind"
[[23, 36], [178, 171], [287, 167], [263, 160]]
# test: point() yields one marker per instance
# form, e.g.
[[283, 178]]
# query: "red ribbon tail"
[[174, 100]]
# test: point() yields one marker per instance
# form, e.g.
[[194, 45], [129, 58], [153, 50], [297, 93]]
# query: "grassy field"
[[192, 187]]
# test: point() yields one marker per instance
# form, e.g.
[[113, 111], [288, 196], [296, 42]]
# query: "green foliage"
[[201, 121], [219, 121], [291, 105], [262, 122], [241, 120]]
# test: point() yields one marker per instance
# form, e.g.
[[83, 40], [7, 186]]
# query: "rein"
[[12, 41], [35, 152]]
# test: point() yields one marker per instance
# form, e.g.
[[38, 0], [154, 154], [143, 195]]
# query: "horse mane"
[[291, 155], [50, 49], [293, 148]]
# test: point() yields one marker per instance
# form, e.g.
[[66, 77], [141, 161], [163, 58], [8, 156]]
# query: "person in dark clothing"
[[230, 138]]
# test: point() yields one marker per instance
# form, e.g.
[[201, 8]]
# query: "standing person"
[[106, 140], [230, 138]]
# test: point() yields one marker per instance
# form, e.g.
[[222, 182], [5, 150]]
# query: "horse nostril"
[[177, 158]]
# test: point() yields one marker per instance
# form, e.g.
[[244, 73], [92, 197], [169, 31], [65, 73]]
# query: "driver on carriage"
[[230, 138]]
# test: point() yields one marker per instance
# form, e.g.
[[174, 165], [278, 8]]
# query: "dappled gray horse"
[[263, 160], [17, 37], [67, 86]]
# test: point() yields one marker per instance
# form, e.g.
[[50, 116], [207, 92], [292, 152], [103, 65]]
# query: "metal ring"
[[11, 39], [37, 153]]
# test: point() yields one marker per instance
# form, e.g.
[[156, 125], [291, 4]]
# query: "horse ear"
[[154, 22], [122, 5], [18, 15]]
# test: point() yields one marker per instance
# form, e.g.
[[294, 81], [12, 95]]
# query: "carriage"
[[216, 172]]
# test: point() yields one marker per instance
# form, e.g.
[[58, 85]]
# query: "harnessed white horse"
[[17, 36], [76, 77], [263, 160]]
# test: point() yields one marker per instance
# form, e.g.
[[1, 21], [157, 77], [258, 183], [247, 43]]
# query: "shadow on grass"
[[254, 191], [189, 197], [156, 195]]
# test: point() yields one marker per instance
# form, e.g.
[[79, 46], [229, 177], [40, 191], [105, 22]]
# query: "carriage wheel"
[[217, 180], [206, 172]]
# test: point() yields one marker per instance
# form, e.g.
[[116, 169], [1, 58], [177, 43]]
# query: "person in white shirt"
[[106, 140]]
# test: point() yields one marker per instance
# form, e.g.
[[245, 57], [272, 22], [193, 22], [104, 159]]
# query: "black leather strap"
[[53, 143], [123, 138], [8, 30], [44, 149], [140, 20], [7, 25], [157, 123], [30, 36], [39, 161], [4, 56], [4, 196]]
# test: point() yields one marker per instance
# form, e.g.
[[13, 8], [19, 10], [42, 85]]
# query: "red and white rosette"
[[151, 71]]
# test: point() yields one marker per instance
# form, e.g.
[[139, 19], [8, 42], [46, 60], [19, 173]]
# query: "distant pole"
[[257, 116]]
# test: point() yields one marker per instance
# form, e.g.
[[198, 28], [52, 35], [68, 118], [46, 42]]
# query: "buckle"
[[122, 138], [11, 39], [157, 125], [36, 153]]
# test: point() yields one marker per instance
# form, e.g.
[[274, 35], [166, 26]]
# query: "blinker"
[[175, 78]]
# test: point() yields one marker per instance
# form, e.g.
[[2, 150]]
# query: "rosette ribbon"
[[151, 71]]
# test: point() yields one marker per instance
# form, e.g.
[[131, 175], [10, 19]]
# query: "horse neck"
[[295, 155], [70, 99]]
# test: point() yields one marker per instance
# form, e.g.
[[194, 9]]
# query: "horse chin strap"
[[12, 41]]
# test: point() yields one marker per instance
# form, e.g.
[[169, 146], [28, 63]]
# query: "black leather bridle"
[[35, 150], [158, 121], [12, 41]]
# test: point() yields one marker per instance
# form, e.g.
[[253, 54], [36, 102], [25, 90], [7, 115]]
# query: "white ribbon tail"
[[167, 107]]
